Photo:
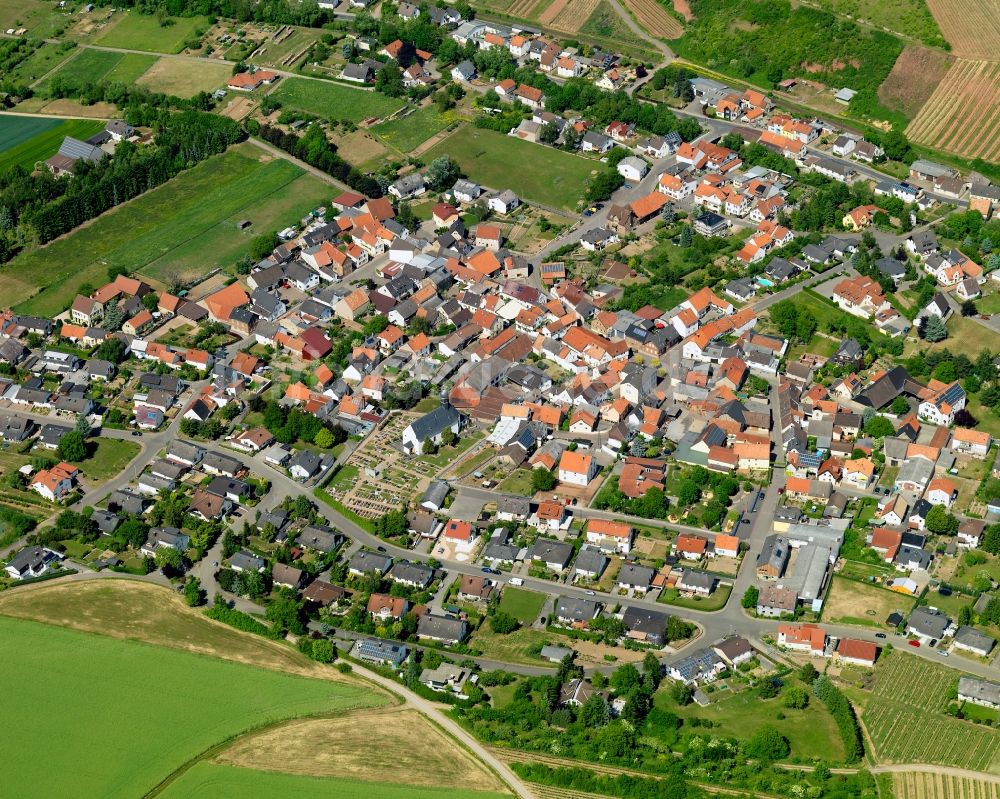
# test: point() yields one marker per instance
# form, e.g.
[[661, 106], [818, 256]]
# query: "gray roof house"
[[415, 574], [570, 610], [434, 496], [246, 561], [554, 554], [972, 640], [635, 577], [702, 665], [590, 563], [928, 623], [979, 692], [430, 427], [442, 628], [366, 562], [645, 624]]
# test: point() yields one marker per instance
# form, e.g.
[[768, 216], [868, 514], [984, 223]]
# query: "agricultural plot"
[[135, 31], [42, 61], [925, 785], [410, 748], [962, 114], [527, 9], [333, 100], [184, 78], [566, 16], [285, 48], [906, 722], [177, 230], [546, 176], [213, 781], [28, 140], [606, 24], [972, 28], [117, 737], [914, 77], [93, 66], [655, 19]]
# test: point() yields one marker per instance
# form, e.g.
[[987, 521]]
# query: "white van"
[[516, 581]]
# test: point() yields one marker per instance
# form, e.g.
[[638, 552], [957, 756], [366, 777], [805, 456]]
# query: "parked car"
[[914, 644], [880, 635]]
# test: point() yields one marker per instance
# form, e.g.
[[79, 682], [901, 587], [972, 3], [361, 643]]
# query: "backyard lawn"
[[136, 31], [333, 100], [542, 174], [180, 229], [522, 604], [716, 601]]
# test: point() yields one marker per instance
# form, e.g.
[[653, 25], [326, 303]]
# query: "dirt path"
[[278, 153], [638, 30]]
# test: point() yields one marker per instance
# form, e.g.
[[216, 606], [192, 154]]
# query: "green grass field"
[[92, 66], [121, 719], [542, 174], [522, 604], [27, 140], [140, 32], [811, 732], [109, 457], [231, 782], [182, 77], [333, 100], [184, 227], [905, 719], [411, 131]]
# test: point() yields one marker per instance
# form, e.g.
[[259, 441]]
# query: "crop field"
[[91, 66], [180, 229], [527, 9], [333, 100], [184, 78], [127, 715], [147, 613], [136, 31], [407, 133], [410, 746], [566, 16], [655, 18], [27, 140], [906, 722], [522, 604], [961, 115], [547, 176], [914, 77], [605, 24], [972, 27], [214, 781], [924, 785]]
